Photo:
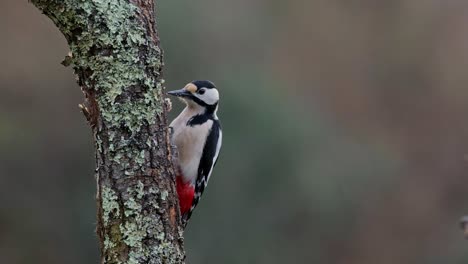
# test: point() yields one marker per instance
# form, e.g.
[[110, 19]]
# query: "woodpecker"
[[197, 135]]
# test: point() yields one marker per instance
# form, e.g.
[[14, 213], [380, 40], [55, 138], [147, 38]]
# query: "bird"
[[196, 133]]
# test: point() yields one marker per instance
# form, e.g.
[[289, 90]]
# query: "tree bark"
[[117, 60]]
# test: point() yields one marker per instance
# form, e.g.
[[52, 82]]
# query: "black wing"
[[207, 162]]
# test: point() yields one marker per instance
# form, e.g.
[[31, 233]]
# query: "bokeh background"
[[345, 132]]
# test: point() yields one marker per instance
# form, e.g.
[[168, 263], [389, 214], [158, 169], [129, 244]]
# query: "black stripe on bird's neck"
[[208, 107], [200, 119]]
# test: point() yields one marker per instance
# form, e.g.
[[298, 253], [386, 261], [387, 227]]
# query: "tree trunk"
[[116, 56]]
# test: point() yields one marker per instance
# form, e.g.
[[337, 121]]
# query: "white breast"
[[189, 142]]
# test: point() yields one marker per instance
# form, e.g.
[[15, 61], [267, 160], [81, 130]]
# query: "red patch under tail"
[[186, 193]]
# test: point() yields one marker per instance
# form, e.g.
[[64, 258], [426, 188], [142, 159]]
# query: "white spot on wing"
[[218, 148]]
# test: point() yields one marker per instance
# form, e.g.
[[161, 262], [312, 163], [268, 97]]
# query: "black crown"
[[205, 83]]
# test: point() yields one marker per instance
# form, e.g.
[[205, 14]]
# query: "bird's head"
[[198, 94]]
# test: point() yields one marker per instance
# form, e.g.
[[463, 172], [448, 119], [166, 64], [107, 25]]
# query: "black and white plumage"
[[197, 134]]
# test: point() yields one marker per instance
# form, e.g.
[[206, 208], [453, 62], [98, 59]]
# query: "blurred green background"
[[345, 132]]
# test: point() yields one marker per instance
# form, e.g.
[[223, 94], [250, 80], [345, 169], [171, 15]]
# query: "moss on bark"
[[114, 50]]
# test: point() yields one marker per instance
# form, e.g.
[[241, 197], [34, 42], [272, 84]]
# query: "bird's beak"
[[180, 93]]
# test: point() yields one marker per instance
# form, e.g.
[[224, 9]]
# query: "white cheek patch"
[[211, 96]]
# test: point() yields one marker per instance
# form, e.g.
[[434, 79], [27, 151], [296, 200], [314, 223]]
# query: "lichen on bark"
[[115, 53]]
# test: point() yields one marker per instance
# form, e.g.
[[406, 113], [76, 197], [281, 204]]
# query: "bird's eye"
[[201, 91]]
